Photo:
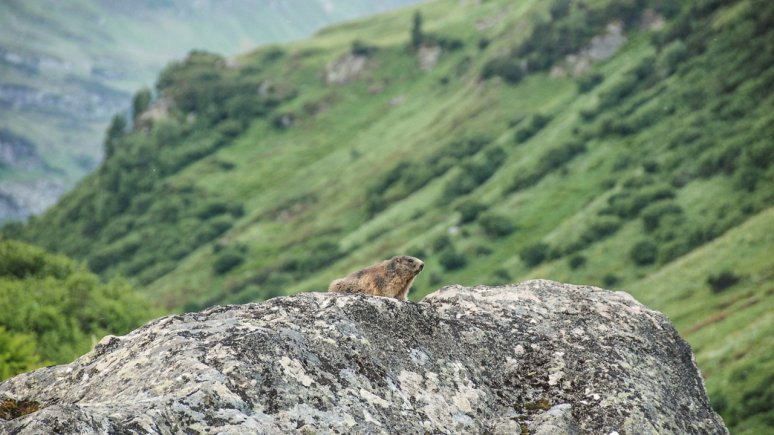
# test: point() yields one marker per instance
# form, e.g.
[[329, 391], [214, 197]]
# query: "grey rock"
[[556, 420], [537, 355], [428, 56], [345, 69], [601, 47]]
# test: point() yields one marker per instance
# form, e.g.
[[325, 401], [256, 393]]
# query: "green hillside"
[[67, 66], [496, 141], [53, 310]]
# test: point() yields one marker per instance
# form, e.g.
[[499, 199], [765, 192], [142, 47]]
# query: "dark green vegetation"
[[649, 172], [52, 309]]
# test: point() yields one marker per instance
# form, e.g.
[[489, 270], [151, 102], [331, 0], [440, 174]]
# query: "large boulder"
[[540, 356]]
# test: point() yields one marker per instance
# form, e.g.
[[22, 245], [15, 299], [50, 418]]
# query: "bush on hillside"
[[51, 308], [140, 103], [496, 225], [469, 210], [314, 256], [226, 260], [653, 214], [576, 262], [644, 252], [670, 57], [507, 68], [474, 173], [610, 280], [534, 254], [408, 176], [536, 123], [450, 259], [722, 281], [587, 82], [629, 203], [360, 48], [551, 160], [501, 276], [441, 243], [602, 227], [556, 158]]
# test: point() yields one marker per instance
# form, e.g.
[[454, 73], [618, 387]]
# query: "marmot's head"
[[405, 265]]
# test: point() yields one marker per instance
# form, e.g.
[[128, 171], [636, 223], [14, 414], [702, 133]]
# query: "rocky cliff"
[[538, 357]]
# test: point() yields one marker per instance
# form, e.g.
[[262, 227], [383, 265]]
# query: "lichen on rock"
[[539, 356]]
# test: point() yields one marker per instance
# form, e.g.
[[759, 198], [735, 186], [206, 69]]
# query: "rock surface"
[[345, 69], [538, 356]]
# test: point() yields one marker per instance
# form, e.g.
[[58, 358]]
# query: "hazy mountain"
[[67, 66]]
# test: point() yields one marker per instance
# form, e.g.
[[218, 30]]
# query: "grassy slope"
[[133, 43], [308, 184], [730, 332]]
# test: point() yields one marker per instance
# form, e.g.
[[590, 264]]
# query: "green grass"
[[691, 138]]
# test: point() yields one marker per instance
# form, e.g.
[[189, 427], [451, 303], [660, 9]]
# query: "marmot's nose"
[[421, 266]]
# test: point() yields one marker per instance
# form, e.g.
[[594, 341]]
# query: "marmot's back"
[[391, 278]]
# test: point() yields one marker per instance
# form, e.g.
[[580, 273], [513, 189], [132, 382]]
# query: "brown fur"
[[391, 278]]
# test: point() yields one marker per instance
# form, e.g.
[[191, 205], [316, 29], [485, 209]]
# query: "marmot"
[[391, 278]]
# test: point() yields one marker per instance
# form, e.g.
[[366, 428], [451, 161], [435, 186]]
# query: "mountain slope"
[[622, 144], [67, 67]]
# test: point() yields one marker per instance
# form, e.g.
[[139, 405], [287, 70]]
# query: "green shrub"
[[628, 204], [589, 81], [408, 176], [576, 262], [469, 210], [226, 260], [551, 160], [644, 252], [508, 68], [417, 36], [671, 56], [534, 254], [653, 214], [722, 281], [559, 156], [616, 93], [747, 178], [610, 280], [448, 43], [450, 259], [502, 275], [141, 102], [559, 9], [536, 123], [19, 353], [601, 228], [359, 48], [52, 308], [313, 257], [441, 243], [496, 225], [230, 128]]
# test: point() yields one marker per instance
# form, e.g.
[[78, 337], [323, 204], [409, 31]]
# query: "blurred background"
[[173, 155]]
